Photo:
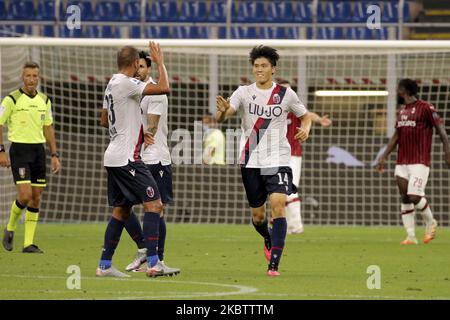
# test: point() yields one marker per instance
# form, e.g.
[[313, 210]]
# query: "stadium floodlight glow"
[[350, 93]]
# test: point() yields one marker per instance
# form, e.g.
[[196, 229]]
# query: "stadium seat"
[[193, 11], [6, 31], [67, 33], [329, 33], [389, 13], [46, 10], [238, 32], [102, 32], [302, 12], [359, 33], [155, 32], [249, 11], [334, 11], [48, 31], [165, 11], [132, 11], [360, 11], [135, 32], [107, 11], [187, 32], [85, 8], [21, 10], [383, 33], [217, 11], [2, 10], [280, 11]]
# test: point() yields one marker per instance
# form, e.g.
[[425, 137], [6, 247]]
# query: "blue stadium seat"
[[272, 33], [383, 33], [156, 32], [22, 29], [66, 33], [2, 10], [190, 32], [334, 11], [48, 31], [132, 11], [46, 10], [359, 33], [280, 11], [238, 32], [217, 11], [292, 33], [108, 11], [6, 31], [21, 10], [135, 32], [193, 11], [360, 11], [85, 9], [329, 33], [102, 32], [250, 11], [302, 12], [389, 13], [160, 10]]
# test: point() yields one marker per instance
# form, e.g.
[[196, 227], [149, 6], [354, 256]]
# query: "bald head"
[[126, 57]]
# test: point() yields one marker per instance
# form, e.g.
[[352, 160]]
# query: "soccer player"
[[157, 159], [293, 207], [129, 181], [413, 135], [28, 116], [265, 152]]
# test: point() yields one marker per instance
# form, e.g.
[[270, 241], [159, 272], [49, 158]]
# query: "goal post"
[[354, 82]]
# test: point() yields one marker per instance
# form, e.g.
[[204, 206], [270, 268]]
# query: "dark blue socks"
[[263, 230], [278, 239], [134, 229], [162, 238], [151, 236], [112, 238]]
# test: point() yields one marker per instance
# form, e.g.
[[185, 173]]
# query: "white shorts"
[[417, 176], [296, 166]]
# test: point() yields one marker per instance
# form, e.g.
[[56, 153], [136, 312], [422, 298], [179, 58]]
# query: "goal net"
[[339, 185]]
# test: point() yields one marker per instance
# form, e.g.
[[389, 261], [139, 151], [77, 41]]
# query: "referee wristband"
[[2, 148], [56, 154]]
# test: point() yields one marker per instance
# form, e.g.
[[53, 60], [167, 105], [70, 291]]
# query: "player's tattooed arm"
[[224, 110], [392, 144], [444, 138]]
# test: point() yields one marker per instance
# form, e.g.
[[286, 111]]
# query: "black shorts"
[[130, 185], [28, 163], [163, 177], [258, 185]]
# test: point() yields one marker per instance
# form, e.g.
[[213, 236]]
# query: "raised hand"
[[222, 104], [325, 121], [156, 54]]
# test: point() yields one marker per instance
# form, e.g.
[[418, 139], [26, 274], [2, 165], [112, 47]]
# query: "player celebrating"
[[265, 151], [129, 181], [293, 208], [158, 161], [413, 134]]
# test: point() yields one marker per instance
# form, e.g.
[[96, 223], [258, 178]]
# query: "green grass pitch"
[[227, 262]]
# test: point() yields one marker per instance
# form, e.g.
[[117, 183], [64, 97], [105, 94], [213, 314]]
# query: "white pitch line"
[[355, 296], [241, 289]]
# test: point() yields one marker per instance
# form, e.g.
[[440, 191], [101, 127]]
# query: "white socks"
[[408, 219], [425, 210], [293, 214]]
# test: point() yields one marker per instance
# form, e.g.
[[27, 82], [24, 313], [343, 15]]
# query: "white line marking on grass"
[[349, 296], [240, 289]]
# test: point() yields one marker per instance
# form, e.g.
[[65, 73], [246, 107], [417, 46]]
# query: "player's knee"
[[258, 214], [153, 206], [24, 197], [414, 199], [278, 210]]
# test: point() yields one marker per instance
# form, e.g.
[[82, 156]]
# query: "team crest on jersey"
[[22, 172], [42, 117], [161, 173], [276, 98], [413, 110], [254, 97], [150, 192]]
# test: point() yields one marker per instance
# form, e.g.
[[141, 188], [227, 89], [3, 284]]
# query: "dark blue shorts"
[[163, 177], [259, 183], [130, 185]]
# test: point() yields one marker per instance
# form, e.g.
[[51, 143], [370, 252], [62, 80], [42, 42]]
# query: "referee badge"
[[42, 117], [22, 173]]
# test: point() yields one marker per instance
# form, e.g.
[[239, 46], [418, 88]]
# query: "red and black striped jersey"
[[415, 123]]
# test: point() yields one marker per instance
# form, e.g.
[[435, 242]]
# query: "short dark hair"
[[144, 55], [126, 56], [30, 65], [264, 52], [283, 81], [409, 85]]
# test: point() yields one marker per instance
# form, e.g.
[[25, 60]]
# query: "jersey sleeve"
[[295, 105], [156, 104], [433, 117], [236, 99], [135, 87], [48, 114], [5, 110]]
